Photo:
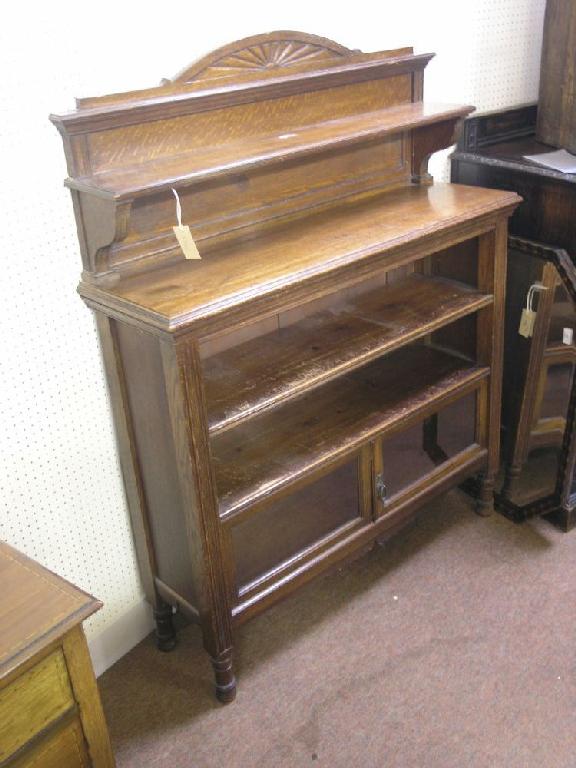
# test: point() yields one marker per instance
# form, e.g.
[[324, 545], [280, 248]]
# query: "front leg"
[[224, 676]]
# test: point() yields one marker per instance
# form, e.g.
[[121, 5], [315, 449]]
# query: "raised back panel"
[[256, 58], [223, 208], [147, 141], [252, 93]]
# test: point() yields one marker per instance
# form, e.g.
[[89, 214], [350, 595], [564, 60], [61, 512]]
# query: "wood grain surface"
[[65, 748], [36, 606], [191, 100], [240, 156], [557, 98], [260, 457], [87, 698], [256, 375], [337, 240], [33, 702]]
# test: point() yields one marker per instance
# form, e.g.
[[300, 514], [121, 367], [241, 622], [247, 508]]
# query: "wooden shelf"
[[260, 457], [259, 373], [258, 151], [346, 242]]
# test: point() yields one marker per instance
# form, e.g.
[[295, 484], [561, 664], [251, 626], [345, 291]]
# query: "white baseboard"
[[121, 636]]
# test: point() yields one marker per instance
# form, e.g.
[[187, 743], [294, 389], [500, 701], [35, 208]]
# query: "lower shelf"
[[258, 459], [267, 567]]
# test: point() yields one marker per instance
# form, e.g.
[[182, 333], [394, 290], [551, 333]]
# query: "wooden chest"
[[50, 711]]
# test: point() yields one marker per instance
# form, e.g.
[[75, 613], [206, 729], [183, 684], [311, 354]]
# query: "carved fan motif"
[[262, 52], [266, 56]]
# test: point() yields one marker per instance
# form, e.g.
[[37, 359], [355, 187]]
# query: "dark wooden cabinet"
[[557, 99], [538, 371], [331, 363]]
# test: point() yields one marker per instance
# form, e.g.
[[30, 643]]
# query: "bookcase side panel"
[[155, 448]]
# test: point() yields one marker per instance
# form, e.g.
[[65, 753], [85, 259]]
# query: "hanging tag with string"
[[183, 234], [528, 317]]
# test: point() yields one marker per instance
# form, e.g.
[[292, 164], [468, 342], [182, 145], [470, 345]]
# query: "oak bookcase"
[[332, 362]]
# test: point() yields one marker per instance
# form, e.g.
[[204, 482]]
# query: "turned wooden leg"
[[511, 481], [165, 632], [224, 676], [485, 500]]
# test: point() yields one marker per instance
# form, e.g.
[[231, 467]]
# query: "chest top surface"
[[36, 608]]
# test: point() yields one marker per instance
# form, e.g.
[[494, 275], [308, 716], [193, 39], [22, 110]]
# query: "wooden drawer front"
[[63, 748], [33, 701]]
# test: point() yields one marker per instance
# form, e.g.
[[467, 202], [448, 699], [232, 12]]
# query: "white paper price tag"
[[528, 316], [186, 241], [527, 320], [567, 336], [183, 233]]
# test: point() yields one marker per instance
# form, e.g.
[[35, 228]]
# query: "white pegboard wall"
[[490, 58], [61, 497], [60, 486]]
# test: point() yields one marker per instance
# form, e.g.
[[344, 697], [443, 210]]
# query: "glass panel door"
[[410, 456]]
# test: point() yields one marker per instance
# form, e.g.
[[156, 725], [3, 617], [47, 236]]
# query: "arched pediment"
[[273, 50]]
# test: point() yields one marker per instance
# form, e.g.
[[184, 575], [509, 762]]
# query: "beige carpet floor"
[[453, 645]]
